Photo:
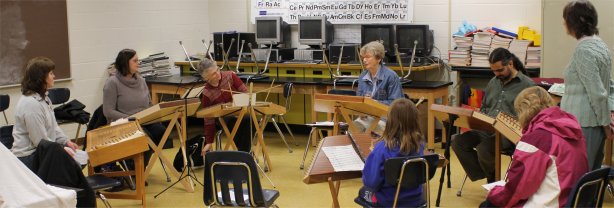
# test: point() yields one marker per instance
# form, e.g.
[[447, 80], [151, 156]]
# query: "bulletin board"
[[337, 11], [31, 28]]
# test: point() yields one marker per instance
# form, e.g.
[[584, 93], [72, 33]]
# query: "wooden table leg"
[[497, 156], [346, 115], [231, 135], [140, 179], [157, 153], [260, 136], [334, 191]]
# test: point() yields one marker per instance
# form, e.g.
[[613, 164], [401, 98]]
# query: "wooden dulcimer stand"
[[321, 170], [265, 109], [503, 124], [120, 142], [344, 106], [175, 112]]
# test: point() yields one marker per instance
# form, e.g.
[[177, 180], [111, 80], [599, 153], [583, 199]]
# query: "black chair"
[[100, 182], [59, 96], [6, 136], [508, 153], [318, 128], [227, 173], [4, 104], [589, 190], [287, 93], [408, 172]]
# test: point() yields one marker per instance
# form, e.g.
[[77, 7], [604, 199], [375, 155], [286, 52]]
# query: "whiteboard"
[[557, 46]]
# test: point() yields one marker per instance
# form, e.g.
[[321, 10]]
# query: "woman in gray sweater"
[[34, 117], [587, 78], [126, 93]]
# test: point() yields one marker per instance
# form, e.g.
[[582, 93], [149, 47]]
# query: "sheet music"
[[557, 89], [344, 158], [81, 157], [492, 185]]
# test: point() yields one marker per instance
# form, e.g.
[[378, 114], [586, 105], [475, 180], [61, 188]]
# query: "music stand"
[[192, 104], [175, 112], [189, 174]]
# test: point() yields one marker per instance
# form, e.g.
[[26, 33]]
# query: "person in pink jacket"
[[549, 158]]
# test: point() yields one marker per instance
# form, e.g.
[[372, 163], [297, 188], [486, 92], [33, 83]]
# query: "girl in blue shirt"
[[401, 138]]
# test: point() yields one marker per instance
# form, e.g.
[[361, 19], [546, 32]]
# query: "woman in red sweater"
[[216, 82]]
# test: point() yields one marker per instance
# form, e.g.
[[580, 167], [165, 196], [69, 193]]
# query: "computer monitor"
[[378, 32], [314, 31], [272, 30], [407, 34]]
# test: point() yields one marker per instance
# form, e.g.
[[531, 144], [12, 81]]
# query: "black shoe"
[[120, 187]]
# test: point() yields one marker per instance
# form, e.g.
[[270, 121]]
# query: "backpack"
[[193, 149]]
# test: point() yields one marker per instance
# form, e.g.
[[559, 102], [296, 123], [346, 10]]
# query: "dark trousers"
[[155, 131], [243, 137], [476, 153], [28, 161], [486, 203], [368, 197], [594, 146]]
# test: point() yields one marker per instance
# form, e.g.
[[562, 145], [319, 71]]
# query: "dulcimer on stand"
[[119, 142]]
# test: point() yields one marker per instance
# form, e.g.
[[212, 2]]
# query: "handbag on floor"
[[193, 148]]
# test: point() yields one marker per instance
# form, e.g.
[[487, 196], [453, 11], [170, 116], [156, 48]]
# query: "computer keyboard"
[[252, 76], [303, 62]]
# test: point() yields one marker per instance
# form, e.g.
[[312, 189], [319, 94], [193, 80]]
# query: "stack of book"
[[519, 48], [481, 49], [155, 65], [461, 55], [534, 57], [500, 42]]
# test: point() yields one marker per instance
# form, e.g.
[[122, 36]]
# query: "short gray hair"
[[375, 48], [204, 65]]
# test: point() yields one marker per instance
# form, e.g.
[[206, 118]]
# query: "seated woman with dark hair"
[[34, 117], [126, 93], [38, 140], [549, 158]]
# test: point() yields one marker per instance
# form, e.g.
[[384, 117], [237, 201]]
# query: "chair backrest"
[[410, 172], [288, 94], [6, 136], [589, 190], [59, 95], [414, 173], [232, 173], [4, 102], [342, 92]]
